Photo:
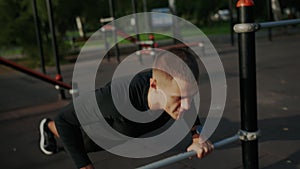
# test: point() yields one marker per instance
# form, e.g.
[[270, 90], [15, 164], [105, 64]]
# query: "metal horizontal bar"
[[186, 155], [104, 20], [33, 73], [252, 27], [279, 23]]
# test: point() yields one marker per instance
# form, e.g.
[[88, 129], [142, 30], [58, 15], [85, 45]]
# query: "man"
[[166, 87]]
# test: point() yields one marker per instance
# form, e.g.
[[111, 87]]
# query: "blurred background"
[[44, 38], [18, 32]]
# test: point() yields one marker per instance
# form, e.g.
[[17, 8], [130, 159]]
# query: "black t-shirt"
[[138, 92], [69, 127]]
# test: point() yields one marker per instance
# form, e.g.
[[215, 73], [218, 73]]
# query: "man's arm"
[[199, 145]]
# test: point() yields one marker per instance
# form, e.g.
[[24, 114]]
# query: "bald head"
[[176, 63]]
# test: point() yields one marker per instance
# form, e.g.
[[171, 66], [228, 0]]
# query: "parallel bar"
[[186, 155], [181, 45], [32, 73], [105, 20], [252, 27], [279, 23]]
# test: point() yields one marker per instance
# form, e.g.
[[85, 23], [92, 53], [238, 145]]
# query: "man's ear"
[[153, 83]]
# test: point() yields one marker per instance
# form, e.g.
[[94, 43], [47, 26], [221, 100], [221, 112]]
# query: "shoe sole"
[[42, 138]]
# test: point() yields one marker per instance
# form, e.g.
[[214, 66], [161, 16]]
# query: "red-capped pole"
[[151, 37], [248, 91], [241, 3], [58, 77]]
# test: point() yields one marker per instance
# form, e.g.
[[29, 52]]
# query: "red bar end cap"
[[58, 77], [243, 3]]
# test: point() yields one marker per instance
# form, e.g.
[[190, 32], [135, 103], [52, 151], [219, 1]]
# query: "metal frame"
[[252, 27], [246, 32], [249, 132], [38, 35], [113, 15], [186, 155], [54, 44], [35, 74]]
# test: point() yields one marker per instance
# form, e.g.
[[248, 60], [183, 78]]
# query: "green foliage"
[[18, 31], [14, 18], [199, 11]]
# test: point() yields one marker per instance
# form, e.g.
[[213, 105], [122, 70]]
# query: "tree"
[[15, 31], [199, 11]]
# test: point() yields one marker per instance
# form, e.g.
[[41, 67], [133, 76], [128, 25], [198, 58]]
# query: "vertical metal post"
[[106, 42], [54, 45], [134, 9], [147, 19], [38, 35], [114, 31], [231, 23], [176, 31], [136, 22], [247, 68], [270, 18]]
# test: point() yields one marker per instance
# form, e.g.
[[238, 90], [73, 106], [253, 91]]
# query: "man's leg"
[[75, 142], [89, 144], [52, 127]]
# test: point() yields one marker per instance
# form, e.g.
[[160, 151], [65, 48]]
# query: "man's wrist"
[[196, 130], [196, 136]]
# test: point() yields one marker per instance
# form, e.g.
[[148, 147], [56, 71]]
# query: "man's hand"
[[200, 146], [90, 166]]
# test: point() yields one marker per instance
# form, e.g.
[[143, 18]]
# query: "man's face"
[[178, 97]]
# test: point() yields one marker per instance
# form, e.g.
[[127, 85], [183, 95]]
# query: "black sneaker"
[[47, 141]]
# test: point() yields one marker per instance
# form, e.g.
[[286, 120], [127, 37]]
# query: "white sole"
[[42, 139]]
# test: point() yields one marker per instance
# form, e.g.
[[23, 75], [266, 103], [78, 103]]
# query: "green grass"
[[144, 37], [11, 51], [216, 29]]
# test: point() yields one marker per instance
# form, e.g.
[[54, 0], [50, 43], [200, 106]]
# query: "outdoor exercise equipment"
[[38, 35], [186, 155], [55, 81], [54, 43], [249, 132]]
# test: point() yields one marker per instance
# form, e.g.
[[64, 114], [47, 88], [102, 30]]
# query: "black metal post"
[[270, 18], [38, 35], [145, 6], [247, 68], [106, 43], [114, 31], [54, 45], [176, 31], [231, 23], [136, 21], [147, 17]]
